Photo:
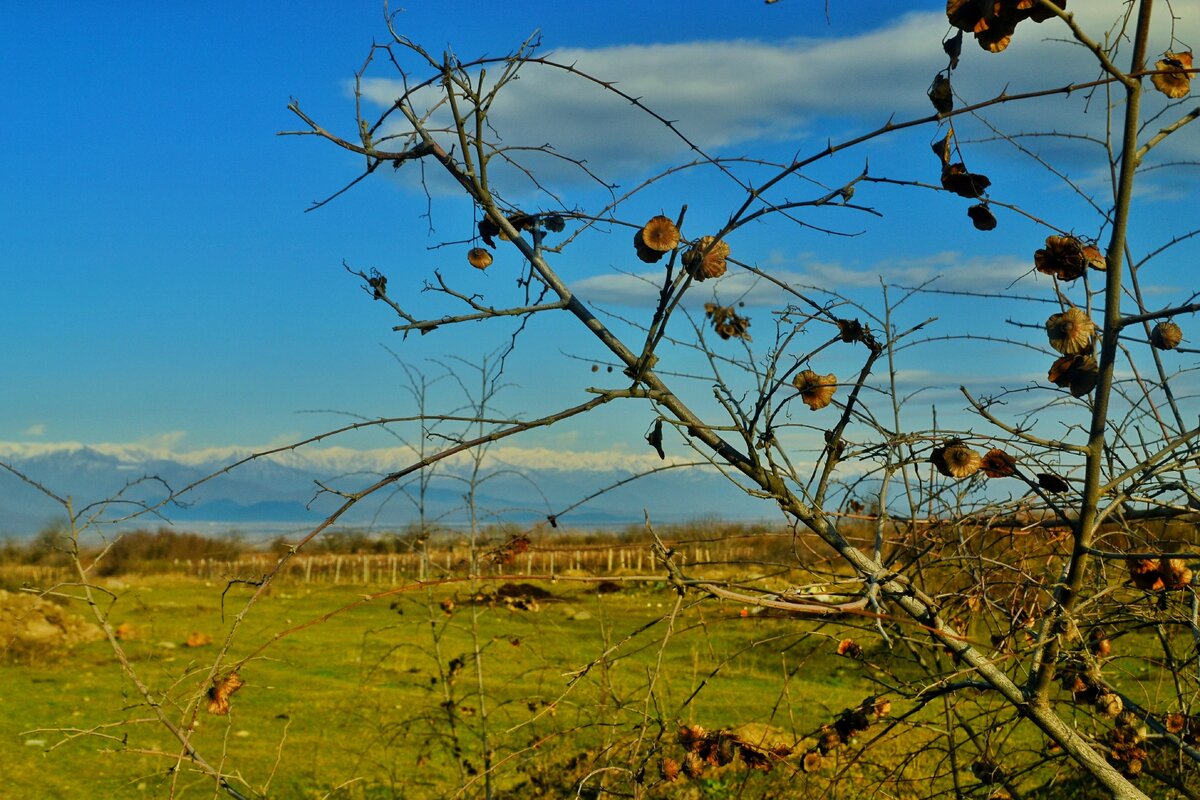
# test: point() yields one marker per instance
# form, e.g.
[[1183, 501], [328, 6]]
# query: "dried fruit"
[[849, 648], [993, 21], [1079, 373], [1166, 336], [1109, 705], [1176, 83], [487, 231], [828, 739], [1094, 258], [727, 323], [955, 178], [660, 233], [647, 254], [812, 761], [220, 691], [197, 639], [1067, 258], [1174, 722], [1175, 573], [1071, 331], [1099, 644], [955, 460], [479, 258], [378, 283], [815, 390], [982, 217], [706, 259], [999, 464], [1145, 575]]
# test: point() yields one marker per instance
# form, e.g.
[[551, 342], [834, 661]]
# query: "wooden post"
[[337, 569]]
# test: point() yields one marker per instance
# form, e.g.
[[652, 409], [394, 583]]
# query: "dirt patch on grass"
[[33, 627]]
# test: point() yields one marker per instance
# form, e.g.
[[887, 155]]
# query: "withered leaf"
[[655, 439], [941, 95], [953, 48]]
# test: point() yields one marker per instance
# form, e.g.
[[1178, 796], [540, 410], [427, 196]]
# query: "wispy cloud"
[[37, 429], [339, 460], [947, 270], [727, 94]]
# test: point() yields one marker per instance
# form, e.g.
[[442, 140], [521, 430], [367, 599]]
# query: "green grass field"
[[383, 700]]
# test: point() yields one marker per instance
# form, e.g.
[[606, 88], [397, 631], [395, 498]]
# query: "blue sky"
[[163, 286]]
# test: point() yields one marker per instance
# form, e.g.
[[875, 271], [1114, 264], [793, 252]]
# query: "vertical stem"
[[1067, 591]]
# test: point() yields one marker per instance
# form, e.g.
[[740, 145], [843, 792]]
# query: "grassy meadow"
[[383, 698]]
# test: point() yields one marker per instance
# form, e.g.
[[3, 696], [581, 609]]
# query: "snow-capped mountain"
[[287, 488]]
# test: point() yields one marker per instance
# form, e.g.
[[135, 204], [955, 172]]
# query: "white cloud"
[[724, 95], [719, 93], [37, 429]]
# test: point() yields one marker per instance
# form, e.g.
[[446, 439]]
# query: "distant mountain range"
[[281, 491]]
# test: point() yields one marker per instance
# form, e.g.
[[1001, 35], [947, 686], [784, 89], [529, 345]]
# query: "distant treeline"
[[143, 551]]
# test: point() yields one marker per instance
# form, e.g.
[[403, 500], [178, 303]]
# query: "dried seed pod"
[[1109, 705], [812, 761], [706, 259], [479, 258], [220, 691], [999, 464], [693, 765], [849, 648], [828, 739], [647, 254], [941, 95], [487, 231], [1176, 83], [1071, 331], [1094, 258], [669, 768], [982, 217], [1099, 644], [942, 148], [815, 390], [727, 323], [1064, 258], [1174, 722], [1175, 573], [996, 38], [1079, 373], [554, 222], [955, 178], [955, 460], [1052, 483], [880, 708], [660, 233], [1166, 336], [1144, 574], [1039, 13]]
